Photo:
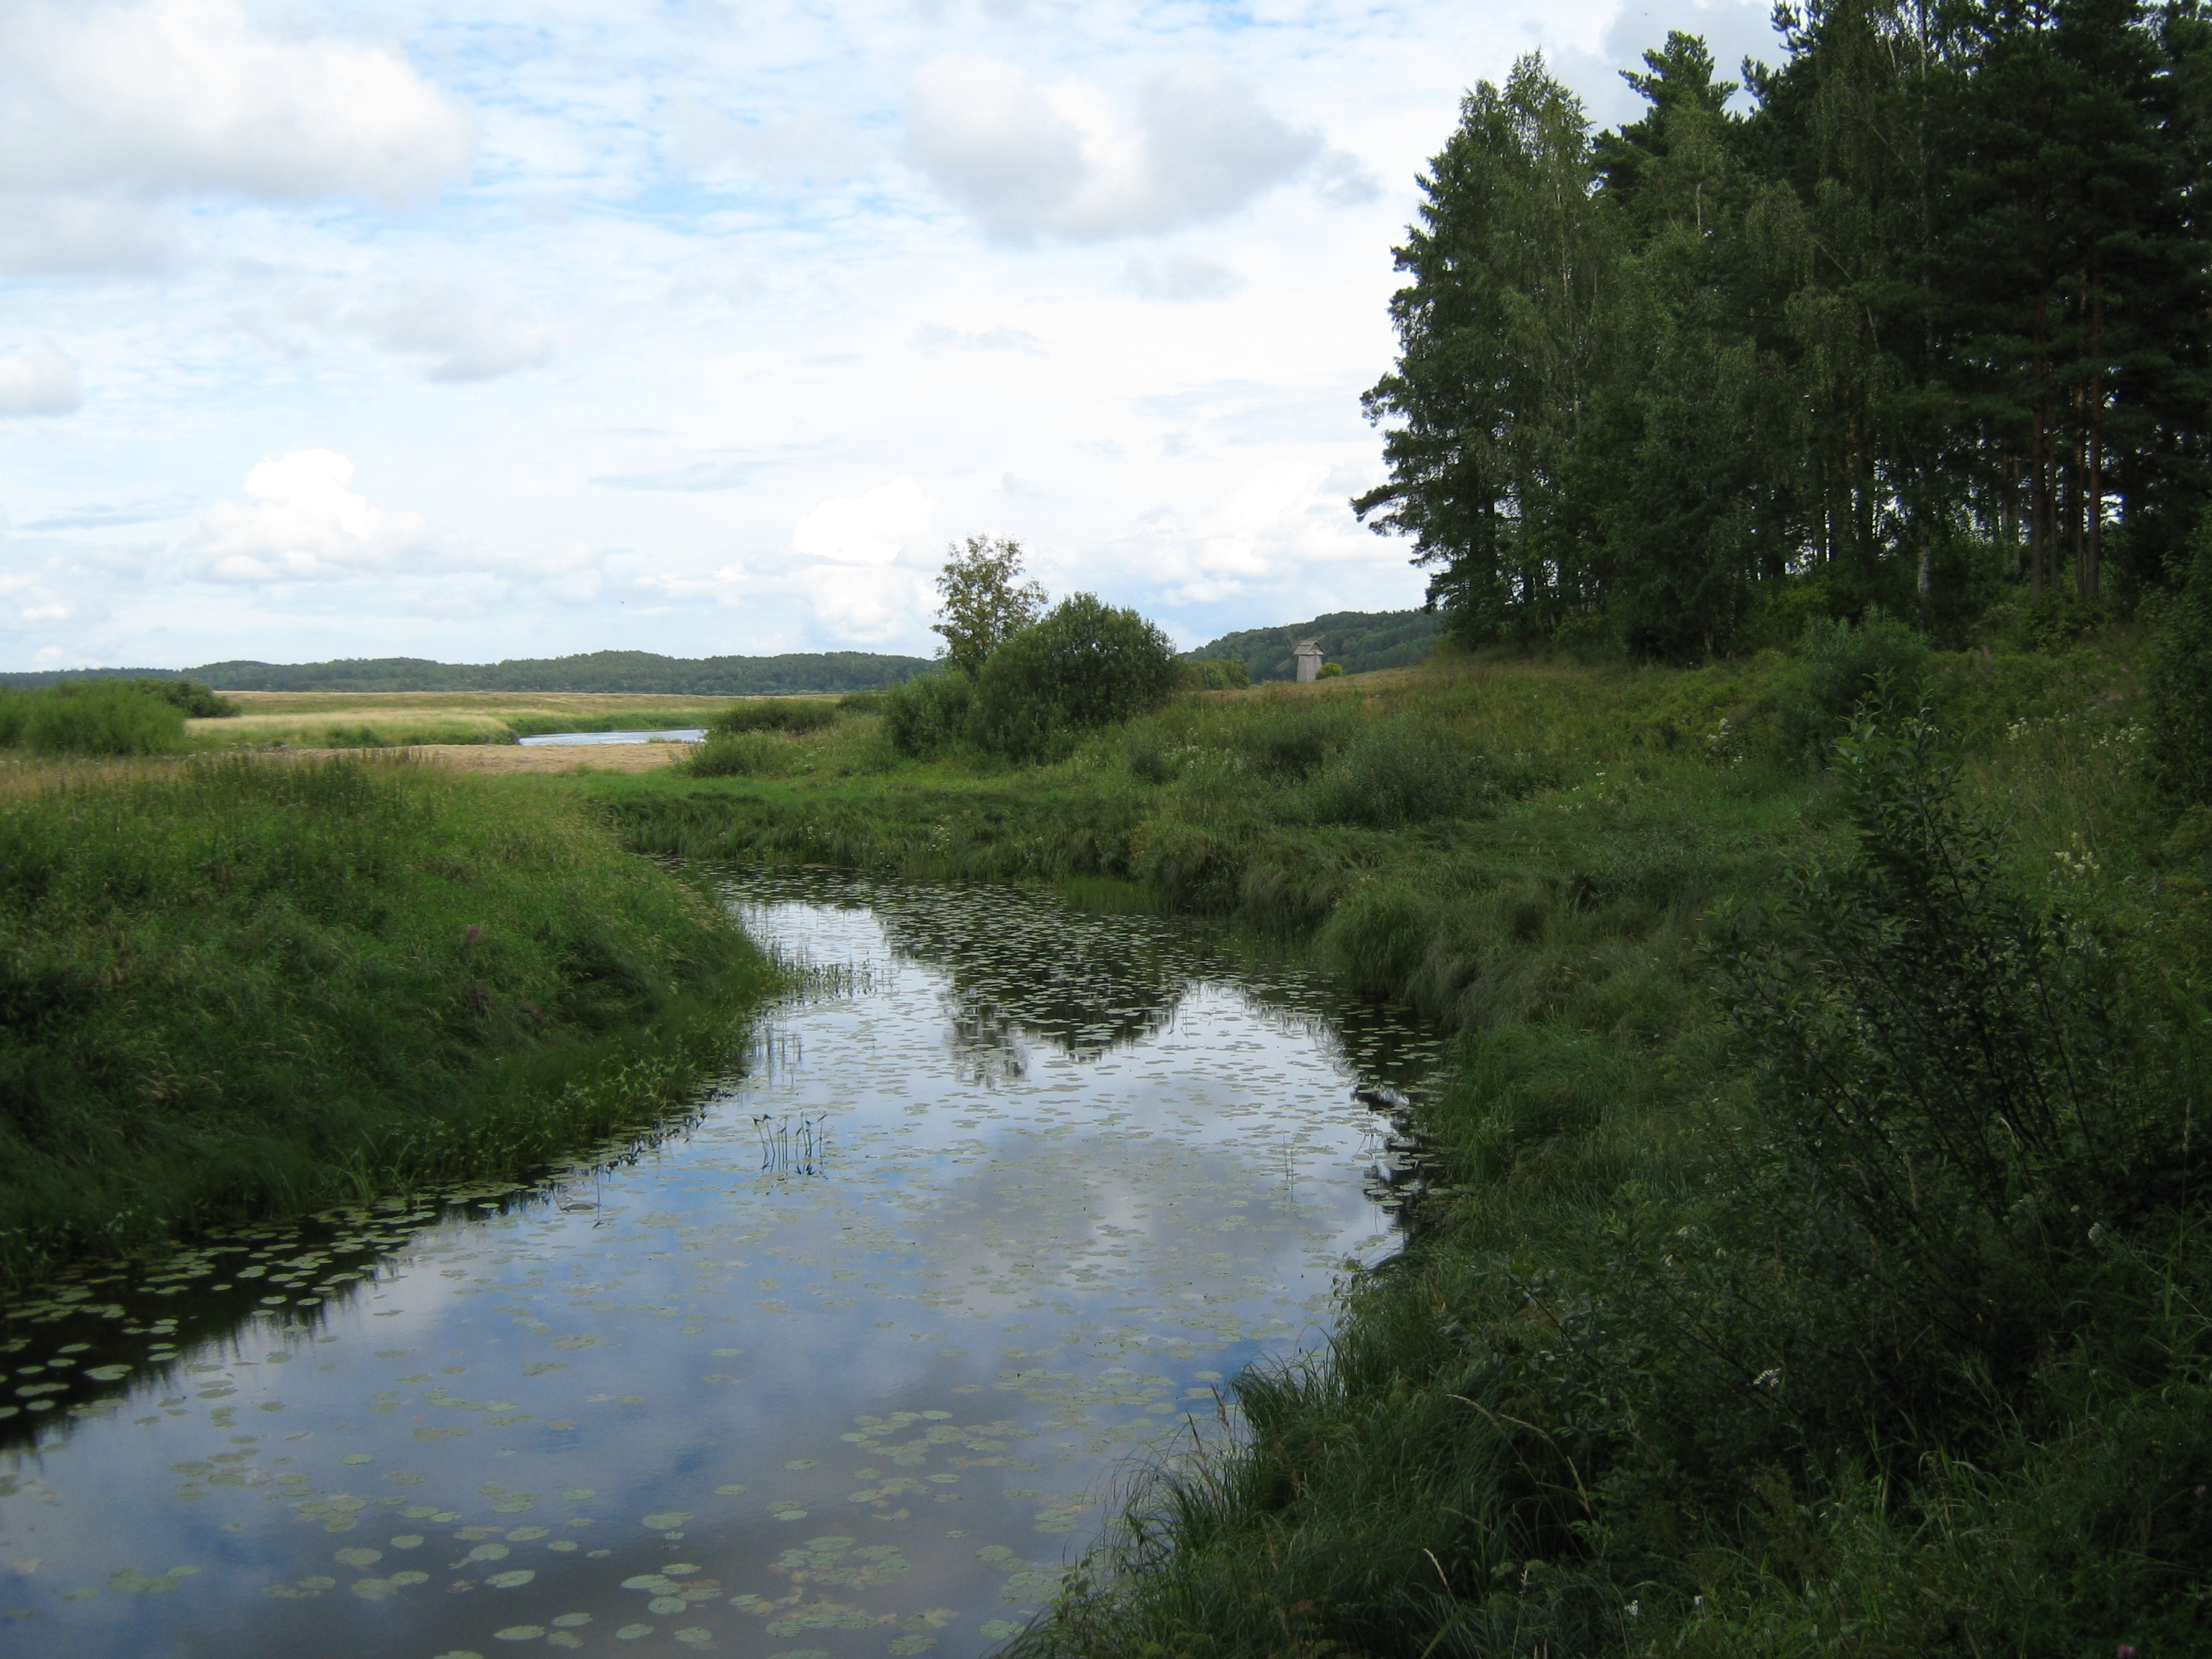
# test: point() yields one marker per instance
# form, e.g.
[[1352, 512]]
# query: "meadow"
[[1675, 1363], [251, 986]]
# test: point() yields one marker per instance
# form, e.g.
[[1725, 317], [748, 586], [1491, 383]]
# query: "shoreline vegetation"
[[247, 985], [1647, 1378], [1666, 1366]]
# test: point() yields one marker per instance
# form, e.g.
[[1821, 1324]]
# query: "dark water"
[[543, 739], [844, 1367]]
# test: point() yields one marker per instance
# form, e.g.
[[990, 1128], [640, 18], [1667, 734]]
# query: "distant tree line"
[[597, 670], [1928, 326], [1359, 640]]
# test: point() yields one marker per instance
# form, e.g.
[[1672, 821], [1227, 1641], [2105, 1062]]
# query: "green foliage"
[[1331, 670], [985, 602], [1694, 1367], [1361, 641], [95, 717], [197, 701], [1086, 664], [778, 714], [247, 985], [1922, 319], [1842, 664], [928, 716], [2179, 681]]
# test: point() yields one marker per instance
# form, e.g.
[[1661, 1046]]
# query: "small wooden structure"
[[1307, 654]]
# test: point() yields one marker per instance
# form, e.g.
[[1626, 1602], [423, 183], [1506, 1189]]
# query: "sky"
[[524, 327]]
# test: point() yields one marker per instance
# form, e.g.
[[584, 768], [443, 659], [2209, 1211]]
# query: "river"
[[849, 1362]]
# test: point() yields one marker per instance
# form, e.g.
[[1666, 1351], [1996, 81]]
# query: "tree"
[[1085, 663], [985, 601], [1505, 343]]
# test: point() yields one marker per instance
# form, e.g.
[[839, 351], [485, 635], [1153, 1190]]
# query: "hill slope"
[[1360, 640], [597, 670]]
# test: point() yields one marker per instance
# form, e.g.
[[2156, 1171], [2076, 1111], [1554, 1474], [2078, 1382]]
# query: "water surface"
[[549, 740], [845, 1367]]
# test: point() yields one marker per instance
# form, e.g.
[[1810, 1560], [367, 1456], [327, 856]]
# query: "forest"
[[1916, 320]]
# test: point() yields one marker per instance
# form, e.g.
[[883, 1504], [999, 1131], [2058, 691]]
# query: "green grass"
[[1543, 1428], [238, 986]]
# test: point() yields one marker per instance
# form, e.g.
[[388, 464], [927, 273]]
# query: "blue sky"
[[513, 330]]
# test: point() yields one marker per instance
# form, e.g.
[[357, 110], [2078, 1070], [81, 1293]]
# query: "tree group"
[[1930, 317]]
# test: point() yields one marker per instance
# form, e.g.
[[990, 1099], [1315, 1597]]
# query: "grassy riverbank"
[[1645, 1386], [241, 986]]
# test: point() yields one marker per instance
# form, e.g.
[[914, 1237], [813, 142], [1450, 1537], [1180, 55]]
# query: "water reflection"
[[837, 1368]]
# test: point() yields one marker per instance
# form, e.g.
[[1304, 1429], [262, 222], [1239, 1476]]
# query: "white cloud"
[[867, 528], [186, 97], [1001, 338], [1177, 276], [465, 336], [811, 147], [301, 523], [1067, 161], [41, 382]]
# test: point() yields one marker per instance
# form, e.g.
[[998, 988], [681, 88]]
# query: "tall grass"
[[93, 717], [241, 986], [1641, 1384]]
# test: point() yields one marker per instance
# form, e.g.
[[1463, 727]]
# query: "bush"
[[1087, 664], [725, 755], [927, 716], [2179, 679], [1332, 670], [1212, 674], [100, 717], [1841, 664], [862, 702], [778, 714], [196, 700]]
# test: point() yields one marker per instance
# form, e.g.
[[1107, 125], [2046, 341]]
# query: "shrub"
[[2057, 620], [862, 702], [1841, 664], [1087, 664], [1332, 670], [2179, 679], [724, 755], [1212, 674], [1956, 1116], [927, 716], [100, 717], [196, 700], [778, 715]]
